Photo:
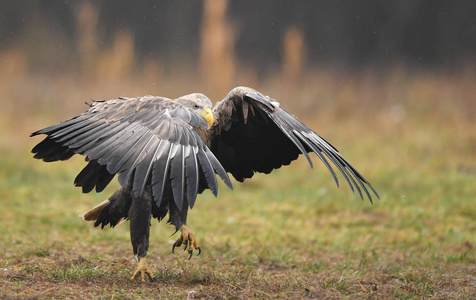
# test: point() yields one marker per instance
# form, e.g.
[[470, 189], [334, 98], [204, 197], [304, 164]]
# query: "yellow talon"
[[143, 269], [189, 241]]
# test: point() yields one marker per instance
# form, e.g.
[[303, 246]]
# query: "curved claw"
[[188, 240], [186, 245]]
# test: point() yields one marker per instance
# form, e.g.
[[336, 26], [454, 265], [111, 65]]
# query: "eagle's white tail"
[[93, 213]]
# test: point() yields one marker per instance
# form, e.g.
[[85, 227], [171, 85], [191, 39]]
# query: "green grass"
[[290, 234]]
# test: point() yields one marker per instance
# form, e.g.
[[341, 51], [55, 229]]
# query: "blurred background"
[[317, 57]]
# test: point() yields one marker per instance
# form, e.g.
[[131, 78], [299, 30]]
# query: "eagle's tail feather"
[[112, 211], [94, 213]]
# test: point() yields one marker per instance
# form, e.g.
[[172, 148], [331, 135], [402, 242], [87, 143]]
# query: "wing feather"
[[316, 150], [73, 130], [191, 174], [48, 150], [110, 141], [150, 139], [269, 137], [145, 165], [141, 167], [51, 129], [83, 143], [207, 169], [218, 168], [160, 171], [124, 153], [177, 176]]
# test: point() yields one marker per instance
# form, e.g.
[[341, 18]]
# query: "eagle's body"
[[167, 151]]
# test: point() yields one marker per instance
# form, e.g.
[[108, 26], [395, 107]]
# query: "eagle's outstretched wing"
[[150, 137], [252, 134]]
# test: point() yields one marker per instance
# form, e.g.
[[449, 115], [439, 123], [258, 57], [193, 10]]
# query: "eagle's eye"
[[196, 106]]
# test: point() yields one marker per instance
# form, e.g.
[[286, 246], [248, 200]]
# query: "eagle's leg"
[[179, 219], [142, 269], [139, 215]]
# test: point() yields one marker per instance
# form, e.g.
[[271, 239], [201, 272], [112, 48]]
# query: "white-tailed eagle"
[[168, 151]]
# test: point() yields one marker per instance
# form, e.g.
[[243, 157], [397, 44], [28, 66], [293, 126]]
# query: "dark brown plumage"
[[167, 151]]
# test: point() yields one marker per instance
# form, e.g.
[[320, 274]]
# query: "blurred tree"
[[217, 66], [427, 33]]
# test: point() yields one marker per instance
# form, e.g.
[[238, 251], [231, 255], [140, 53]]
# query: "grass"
[[290, 234]]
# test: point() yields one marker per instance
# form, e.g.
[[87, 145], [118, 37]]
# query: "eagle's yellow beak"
[[208, 116]]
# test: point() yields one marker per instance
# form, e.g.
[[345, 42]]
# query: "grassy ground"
[[290, 234]]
